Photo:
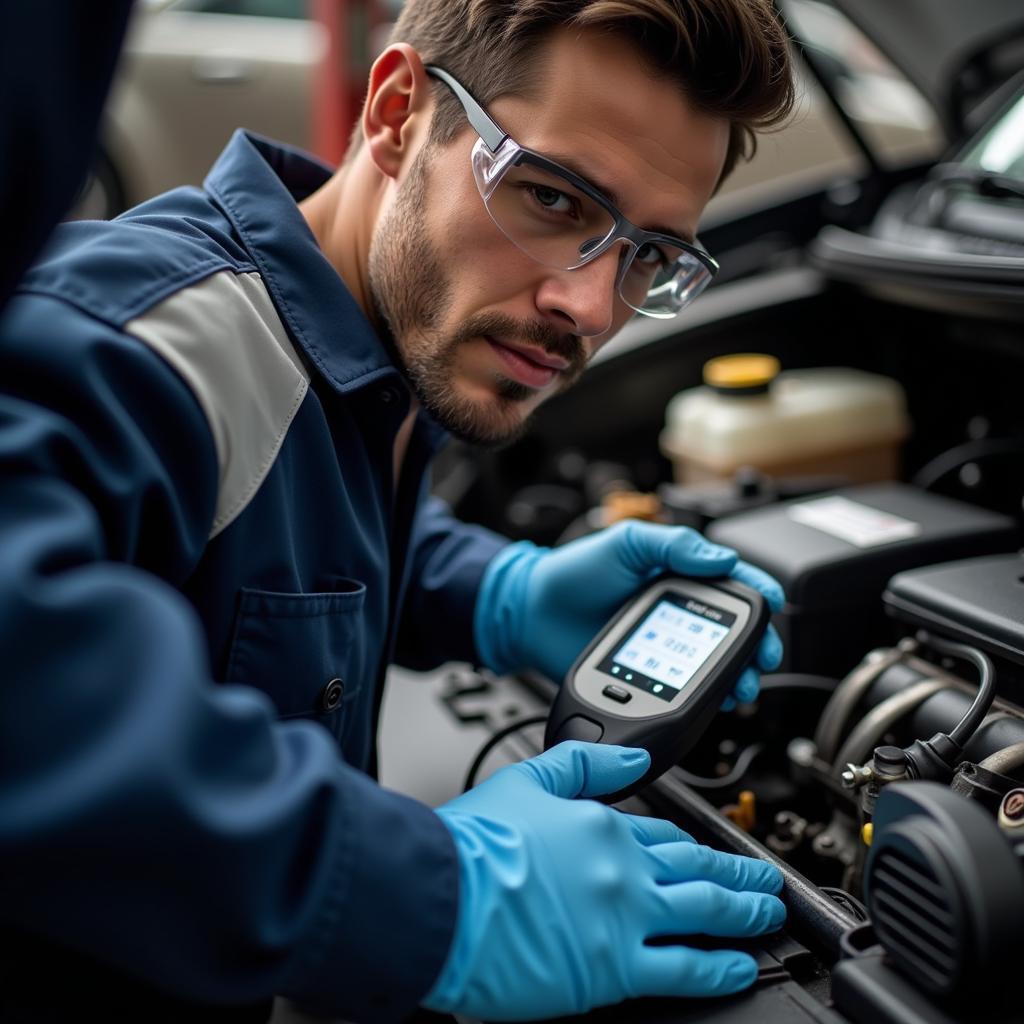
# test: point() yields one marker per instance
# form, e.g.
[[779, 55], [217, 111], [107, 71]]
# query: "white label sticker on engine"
[[857, 524]]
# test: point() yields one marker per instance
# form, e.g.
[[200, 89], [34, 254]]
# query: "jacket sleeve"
[[448, 561], [49, 119], [163, 824]]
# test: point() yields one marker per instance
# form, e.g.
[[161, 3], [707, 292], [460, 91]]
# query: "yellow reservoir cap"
[[867, 833], [742, 372]]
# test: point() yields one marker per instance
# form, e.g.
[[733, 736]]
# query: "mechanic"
[[216, 417]]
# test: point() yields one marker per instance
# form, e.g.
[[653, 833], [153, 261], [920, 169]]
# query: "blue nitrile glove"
[[557, 895], [539, 607]]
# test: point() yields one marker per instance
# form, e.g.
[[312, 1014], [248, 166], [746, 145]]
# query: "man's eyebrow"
[[570, 165], [610, 194]]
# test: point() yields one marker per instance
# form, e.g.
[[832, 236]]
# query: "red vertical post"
[[340, 80]]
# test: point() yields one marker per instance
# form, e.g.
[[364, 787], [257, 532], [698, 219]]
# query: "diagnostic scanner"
[[655, 676]]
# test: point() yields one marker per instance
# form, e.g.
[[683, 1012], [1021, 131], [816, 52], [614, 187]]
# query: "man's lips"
[[528, 365], [535, 355]]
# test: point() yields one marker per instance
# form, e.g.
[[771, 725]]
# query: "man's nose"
[[586, 297]]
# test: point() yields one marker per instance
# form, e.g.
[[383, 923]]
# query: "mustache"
[[564, 346]]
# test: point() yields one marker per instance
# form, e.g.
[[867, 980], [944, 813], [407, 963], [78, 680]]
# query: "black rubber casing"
[[666, 736], [945, 891]]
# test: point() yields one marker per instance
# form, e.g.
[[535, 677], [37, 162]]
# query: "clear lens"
[[661, 279], [547, 217], [551, 220]]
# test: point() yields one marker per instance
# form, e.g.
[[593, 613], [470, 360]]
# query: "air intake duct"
[[945, 892]]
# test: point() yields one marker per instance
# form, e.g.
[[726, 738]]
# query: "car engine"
[[882, 768]]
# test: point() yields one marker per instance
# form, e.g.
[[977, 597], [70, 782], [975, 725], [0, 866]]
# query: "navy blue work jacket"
[[196, 486]]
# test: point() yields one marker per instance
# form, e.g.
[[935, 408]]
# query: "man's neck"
[[341, 214]]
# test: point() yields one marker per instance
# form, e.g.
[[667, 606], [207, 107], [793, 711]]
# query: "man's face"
[[485, 332]]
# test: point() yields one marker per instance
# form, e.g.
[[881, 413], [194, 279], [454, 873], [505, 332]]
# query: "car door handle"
[[222, 69]]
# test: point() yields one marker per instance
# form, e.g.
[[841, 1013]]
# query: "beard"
[[412, 294]]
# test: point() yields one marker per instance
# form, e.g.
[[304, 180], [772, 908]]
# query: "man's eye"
[[651, 257], [552, 199]]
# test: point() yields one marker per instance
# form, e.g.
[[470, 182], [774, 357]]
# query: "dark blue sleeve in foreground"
[[56, 63], [165, 825]]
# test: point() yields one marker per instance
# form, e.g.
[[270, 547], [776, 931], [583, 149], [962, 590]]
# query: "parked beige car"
[[194, 70], [190, 74]]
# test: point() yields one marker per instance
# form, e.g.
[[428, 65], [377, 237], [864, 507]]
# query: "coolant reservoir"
[[825, 420]]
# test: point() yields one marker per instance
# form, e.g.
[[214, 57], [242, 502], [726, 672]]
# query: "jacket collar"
[[258, 184]]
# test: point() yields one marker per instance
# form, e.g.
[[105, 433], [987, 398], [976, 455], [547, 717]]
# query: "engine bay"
[[882, 768]]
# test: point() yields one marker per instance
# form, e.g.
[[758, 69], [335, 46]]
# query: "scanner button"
[[617, 693]]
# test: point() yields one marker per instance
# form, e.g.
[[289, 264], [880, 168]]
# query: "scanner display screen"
[[668, 645]]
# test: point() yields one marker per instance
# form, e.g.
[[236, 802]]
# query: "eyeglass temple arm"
[[480, 120]]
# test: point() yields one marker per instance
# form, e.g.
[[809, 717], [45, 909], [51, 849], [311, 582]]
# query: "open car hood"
[[956, 52]]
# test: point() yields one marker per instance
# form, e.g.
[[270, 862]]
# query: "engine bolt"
[[856, 775]]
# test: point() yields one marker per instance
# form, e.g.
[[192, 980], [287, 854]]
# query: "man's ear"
[[399, 102]]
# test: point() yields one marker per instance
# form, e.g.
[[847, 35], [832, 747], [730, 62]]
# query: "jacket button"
[[330, 695], [388, 395]]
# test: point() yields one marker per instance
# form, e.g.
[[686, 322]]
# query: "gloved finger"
[[729, 704], [652, 831], [574, 769], [647, 547], [705, 908], [693, 555], [767, 585], [681, 971], [769, 653], [747, 687], [691, 862]]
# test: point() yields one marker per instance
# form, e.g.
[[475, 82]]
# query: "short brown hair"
[[730, 57]]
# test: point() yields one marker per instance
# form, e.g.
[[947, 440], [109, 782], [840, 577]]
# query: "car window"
[[1001, 149], [815, 148], [811, 150], [891, 114], [251, 8]]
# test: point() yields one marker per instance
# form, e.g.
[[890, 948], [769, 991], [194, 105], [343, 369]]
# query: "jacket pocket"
[[303, 650]]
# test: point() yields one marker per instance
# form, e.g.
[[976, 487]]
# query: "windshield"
[[1001, 148]]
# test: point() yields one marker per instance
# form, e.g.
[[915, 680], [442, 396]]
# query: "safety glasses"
[[561, 221]]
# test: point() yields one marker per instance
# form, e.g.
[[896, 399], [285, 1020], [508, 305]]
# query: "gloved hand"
[[557, 895], [539, 607]]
